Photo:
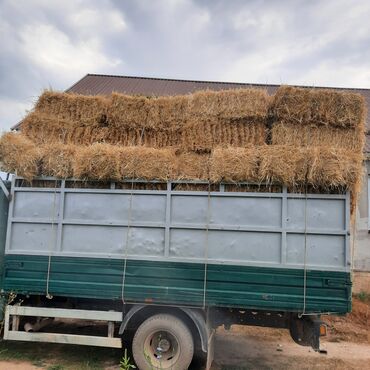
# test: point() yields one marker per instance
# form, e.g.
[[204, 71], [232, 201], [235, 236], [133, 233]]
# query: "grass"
[[60, 357], [363, 297]]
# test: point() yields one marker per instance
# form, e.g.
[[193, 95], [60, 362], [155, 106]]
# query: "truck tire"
[[163, 342]]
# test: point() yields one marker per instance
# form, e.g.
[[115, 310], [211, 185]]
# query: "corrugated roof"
[[93, 84], [96, 84]]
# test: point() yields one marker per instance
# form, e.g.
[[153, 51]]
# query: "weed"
[[55, 367], [364, 296], [125, 363]]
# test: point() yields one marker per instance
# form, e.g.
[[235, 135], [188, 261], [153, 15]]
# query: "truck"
[[170, 262]]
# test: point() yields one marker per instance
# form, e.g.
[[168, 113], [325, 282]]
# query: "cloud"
[[54, 43], [56, 54]]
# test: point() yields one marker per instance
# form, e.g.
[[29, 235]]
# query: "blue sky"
[[52, 43]]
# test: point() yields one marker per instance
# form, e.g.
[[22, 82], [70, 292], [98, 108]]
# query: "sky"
[[51, 43]]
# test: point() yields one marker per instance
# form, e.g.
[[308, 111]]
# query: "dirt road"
[[241, 348], [238, 349]]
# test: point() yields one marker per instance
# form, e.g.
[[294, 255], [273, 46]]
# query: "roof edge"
[[219, 82]]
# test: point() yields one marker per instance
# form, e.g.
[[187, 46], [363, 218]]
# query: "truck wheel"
[[163, 342]]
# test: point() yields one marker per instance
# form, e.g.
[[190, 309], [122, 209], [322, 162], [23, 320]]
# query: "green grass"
[[363, 297], [60, 357]]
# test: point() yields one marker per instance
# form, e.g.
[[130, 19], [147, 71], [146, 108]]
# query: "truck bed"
[[245, 249]]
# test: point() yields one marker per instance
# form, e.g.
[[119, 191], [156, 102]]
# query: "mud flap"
[[306, 331]]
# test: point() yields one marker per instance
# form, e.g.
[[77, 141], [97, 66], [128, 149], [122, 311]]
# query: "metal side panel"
[[283, 230], [181, 283]]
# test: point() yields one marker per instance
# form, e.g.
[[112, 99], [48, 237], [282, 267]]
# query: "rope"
[[127, 244], [51, 243], [206, 247], [305, 258]]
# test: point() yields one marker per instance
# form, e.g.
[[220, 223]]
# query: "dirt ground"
[[241, 348]]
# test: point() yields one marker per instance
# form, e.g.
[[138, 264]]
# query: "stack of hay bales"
[[329, 126], [298, 137], [196, 122]]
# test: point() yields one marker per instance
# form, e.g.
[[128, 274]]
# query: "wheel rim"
[[161, 349]]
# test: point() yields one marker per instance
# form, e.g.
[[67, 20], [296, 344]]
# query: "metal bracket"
[[5, 189], [14, 333]]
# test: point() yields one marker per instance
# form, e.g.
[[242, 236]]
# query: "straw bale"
[[230, 104], [331, 167], [146, 163], [168, 113], [19, 155], [43, 128], [85, 110], [57, 159], [234, 164], [204, 135], [319, 106], [282, 164], [97, 162], [313, 135], [192, 166], [128, 111]]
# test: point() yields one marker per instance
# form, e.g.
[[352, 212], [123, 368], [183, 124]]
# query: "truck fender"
[[194, 315]]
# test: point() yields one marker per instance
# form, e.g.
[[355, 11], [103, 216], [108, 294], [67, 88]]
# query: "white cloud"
[[55, 53], [93, 21], [12, 111]]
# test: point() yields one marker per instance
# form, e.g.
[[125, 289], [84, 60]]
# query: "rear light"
[[323, 329]]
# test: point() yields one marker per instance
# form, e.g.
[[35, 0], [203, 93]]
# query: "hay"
[[205, 135], [19, 155], [84, 110], [234, 165], [97, 162], [284, 165], [238, 116], [319, 106], [312, 135], [168, 113], [126, 111], [316, 136], [230, 104], [42, 128], [192, 166], [57, 160], [146, 163], [320, 167], [330, 167]]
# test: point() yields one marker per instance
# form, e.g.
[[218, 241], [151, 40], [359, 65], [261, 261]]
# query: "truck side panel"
[[181, 283]]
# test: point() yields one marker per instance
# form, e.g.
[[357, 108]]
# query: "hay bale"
[[280, 164], [204, 135], [319, 106], [234, 165], [313, 135], [19, 155], [332, 167], [84, 110], [168, 113], [230, 104], [192, 166], [127, 111], [57, 160], [43, 128], [97, 162], [146, 163]]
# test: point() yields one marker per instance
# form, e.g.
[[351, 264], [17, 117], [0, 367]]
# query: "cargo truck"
[[170, 262]]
